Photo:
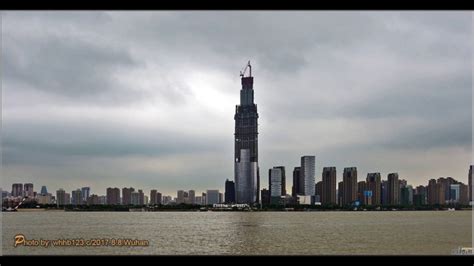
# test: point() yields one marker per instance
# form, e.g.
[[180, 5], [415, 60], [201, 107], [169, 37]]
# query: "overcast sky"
[[147, 99]]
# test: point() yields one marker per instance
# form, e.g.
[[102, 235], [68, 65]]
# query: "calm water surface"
[[246, 233]]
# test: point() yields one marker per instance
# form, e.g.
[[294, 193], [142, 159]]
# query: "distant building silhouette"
[[229, 191], [349, 180], [393, 189], [298, 184], [374, 185], [113, 196], [328, 194]]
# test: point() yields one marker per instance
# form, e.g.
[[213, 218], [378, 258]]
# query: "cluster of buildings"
[[113, 196], [353, 192]]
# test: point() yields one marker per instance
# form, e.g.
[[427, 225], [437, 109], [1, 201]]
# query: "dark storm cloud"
[[333, 84]]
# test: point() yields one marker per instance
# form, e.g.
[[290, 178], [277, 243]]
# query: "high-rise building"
[[463, 194], [159, 199], [44, 190], [447, 188], [308, 171], [469, 179], [60, 197], [17, 190], [29, 192], [67, 198], [384, 192], [406, 195], [229, 191], [127, 195], [204, 198], [85, 193], [221, 197], [454, 193], [180, 197], [153, 197], [431, 192], [113, 196], [212, 196], [393, 189], [275, 182], [328, 194], [298, 184], [318, 191], [265, 197], [373, 182], [441, 190], [141, 199], [349, 179], [135, 198], [246, 143], [192, 197], [76, 197], [340, 190], [419, 196], [361, 188], [283, 179]]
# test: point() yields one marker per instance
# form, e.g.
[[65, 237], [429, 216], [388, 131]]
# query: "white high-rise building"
[[135, 200], [308, 172], [85, 193], [276, 177]]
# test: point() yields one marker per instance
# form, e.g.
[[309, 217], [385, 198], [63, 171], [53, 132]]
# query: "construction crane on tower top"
[[242, 73]]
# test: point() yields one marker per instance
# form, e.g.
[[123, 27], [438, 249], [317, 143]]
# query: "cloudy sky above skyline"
[[146, 99]]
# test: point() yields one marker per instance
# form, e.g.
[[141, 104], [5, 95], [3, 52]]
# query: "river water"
[[244, 233]]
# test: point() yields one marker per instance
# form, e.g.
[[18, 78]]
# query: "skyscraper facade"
[[431, 192], [85, 191], [308, 171], [297, 188], [361, 188], [153, 197], [469, 180], [113, 196], [127, 195], [329, 186], [28, 190], [393, 189], [229, 191], [349, 180], [246, 143], [374, 185], [274, 182], [76, 197], [60, 197], [17, 190], [192, 197]]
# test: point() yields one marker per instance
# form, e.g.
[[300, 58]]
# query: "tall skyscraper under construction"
[[246, 142]]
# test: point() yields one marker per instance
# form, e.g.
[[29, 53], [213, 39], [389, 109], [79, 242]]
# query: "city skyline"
[[130, 125]]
